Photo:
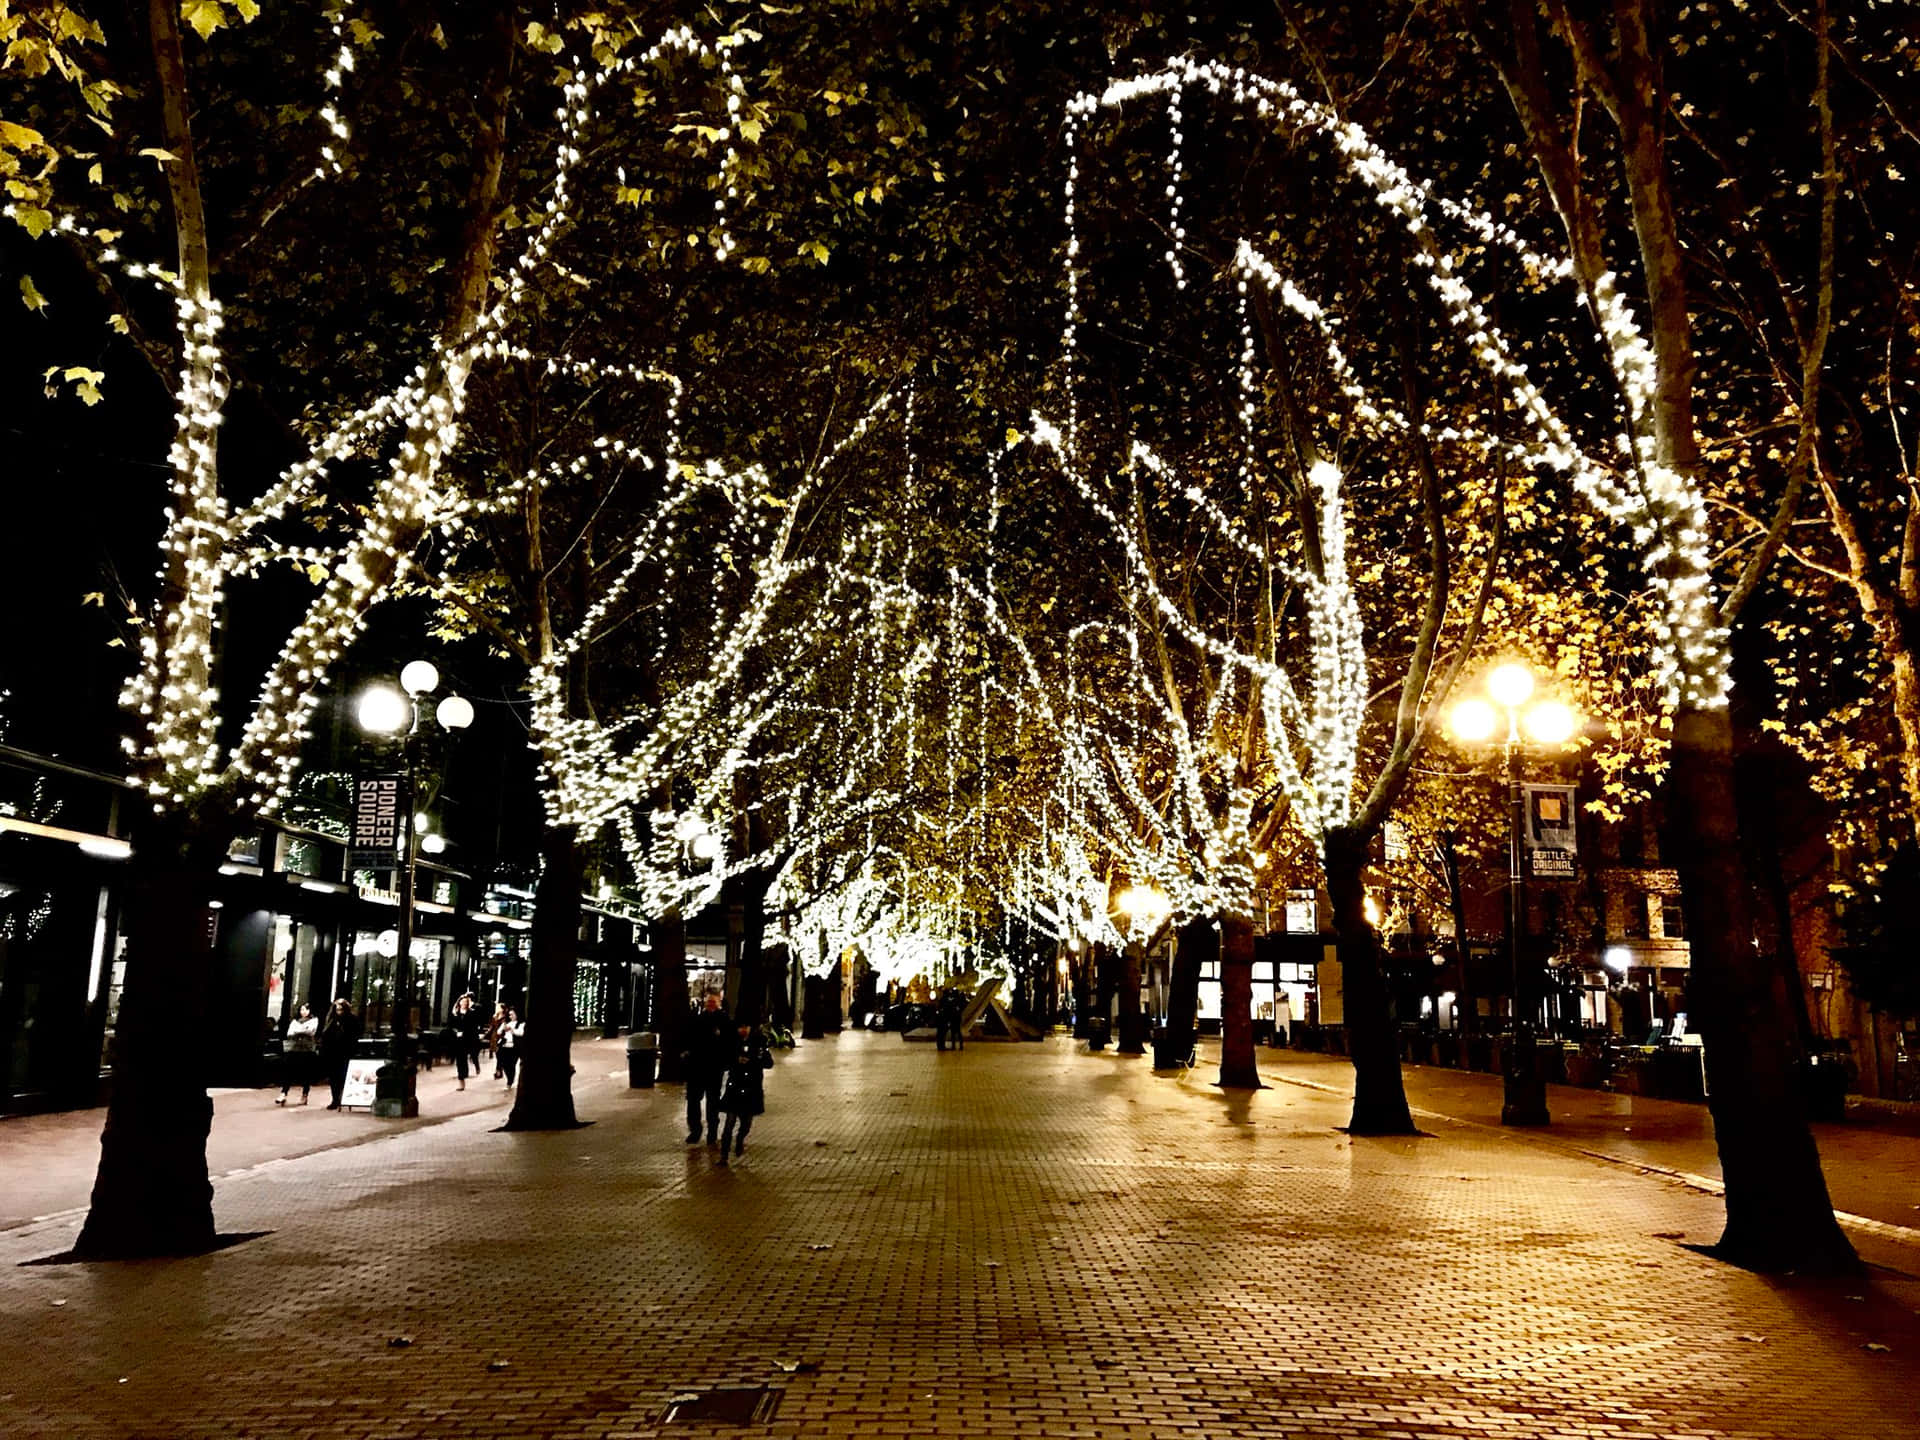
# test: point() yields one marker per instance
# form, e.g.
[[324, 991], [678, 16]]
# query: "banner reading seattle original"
[[1549, 839], [376, 822]]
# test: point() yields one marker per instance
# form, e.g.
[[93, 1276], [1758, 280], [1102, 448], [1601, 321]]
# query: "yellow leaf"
[[94, 597], [317, 574], [94, 173], [205, 16], [154, 152], [30, 295], [119, 323], [35, 221], [19, 137]]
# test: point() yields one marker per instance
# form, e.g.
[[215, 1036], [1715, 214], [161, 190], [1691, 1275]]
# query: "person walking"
[[748, 1061], [493, 1036], [507, 1046], [337, 1039], [299, 1054], [465, 1025], [709, 1042]]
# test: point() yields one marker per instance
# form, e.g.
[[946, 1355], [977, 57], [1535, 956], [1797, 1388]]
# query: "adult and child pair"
[[726, 1065]]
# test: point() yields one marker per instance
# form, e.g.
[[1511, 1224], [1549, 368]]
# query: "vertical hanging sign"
[[376, 822], [1549, 838]]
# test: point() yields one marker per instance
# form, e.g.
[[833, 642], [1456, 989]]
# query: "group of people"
[[312, 1049], [503, 1036], [726, 1061], [726, 1066]]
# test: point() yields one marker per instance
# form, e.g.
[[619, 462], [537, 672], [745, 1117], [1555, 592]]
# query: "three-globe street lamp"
[[1507, 718], [386, 711]]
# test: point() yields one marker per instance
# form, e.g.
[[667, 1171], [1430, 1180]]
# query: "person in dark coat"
[[952, 1006], [709, 1043], [748, 1061], [465, 1027], [337, 1039]]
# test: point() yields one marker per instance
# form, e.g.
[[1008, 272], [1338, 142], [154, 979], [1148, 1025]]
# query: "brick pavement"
[[49, 1160], [1017, 1240], [1872, 1160]]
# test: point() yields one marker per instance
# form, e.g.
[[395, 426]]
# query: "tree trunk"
[[1106, 982], [670, 999], [1079, 964], [544, 1098], [151, 1194], [1779, 1216], [747, 924], [1237, 1068], [1132, 1022], [1379, 1095], [1198, 943], [1895, 625]]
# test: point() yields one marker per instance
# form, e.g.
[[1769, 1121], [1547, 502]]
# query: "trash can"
[[1823, 1080], [643, 1056], [1099, 1032]]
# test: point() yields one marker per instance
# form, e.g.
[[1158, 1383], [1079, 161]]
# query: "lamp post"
[[1548, 724], [1144, 907], [386, 711]]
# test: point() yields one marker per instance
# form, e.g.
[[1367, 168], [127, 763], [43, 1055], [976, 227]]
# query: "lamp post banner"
[[1548, 836], [377, 801]]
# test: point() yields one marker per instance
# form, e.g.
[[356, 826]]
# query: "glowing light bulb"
[[383, 710], [455, 712], [1550, 723], [1473, 721], [419, 677], [1511, 685]]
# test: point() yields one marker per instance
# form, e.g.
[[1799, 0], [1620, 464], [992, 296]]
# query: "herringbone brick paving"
[[1017, 1240]]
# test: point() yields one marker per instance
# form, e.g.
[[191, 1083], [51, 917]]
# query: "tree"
[[151, 1195], [1779, 1215]]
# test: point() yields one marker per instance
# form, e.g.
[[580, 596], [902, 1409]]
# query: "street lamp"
[[385, 711], [1146, 905], [1546, 724]]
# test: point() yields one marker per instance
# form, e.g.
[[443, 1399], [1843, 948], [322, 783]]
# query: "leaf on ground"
[[826, 1245]]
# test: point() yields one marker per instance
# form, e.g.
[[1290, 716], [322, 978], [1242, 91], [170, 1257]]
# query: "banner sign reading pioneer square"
[[376, 822], [1549, 837]]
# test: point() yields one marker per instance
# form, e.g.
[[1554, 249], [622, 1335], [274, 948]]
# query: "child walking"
[[746, 1092]]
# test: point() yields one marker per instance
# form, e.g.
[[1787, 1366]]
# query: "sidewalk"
[[49, 1160], [1872, 1163], [1018, 1240]]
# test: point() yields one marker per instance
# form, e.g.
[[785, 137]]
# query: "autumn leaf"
[[30, 295], [19, 137], [205, 16]]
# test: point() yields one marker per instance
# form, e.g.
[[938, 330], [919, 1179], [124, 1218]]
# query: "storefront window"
[[290, 964]]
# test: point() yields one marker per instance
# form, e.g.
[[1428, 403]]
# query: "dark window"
[[1673, 919], [1633, 915]]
